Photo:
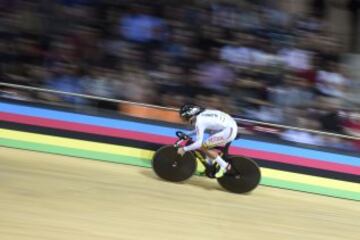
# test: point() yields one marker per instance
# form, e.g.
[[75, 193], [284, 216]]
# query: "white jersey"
[[214, 121]]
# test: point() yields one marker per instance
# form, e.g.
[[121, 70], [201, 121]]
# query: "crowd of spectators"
[[252, 58]]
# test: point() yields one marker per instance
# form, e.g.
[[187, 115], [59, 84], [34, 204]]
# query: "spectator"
[[328, 114], [294, 135], [138, 85], [295, 92], [65, 79], [351, 124], [295, 58], [331, 82], [140, 26], [214, 74]]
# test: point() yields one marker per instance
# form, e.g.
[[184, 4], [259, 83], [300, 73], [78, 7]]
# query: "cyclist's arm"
[[199, 139], [191, 133]]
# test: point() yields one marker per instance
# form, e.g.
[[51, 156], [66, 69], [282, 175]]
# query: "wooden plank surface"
[[54, 197]]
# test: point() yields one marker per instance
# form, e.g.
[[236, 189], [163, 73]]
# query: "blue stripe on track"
[[167, 131], [86, 119]]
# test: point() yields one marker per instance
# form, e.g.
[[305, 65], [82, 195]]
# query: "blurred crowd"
[[250, 58]]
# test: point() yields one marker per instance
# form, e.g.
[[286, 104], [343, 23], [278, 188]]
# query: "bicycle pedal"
[[211, 170], [210, 175]]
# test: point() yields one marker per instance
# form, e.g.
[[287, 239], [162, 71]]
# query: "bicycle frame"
[[244, 175], [200, 157], [198, 154]]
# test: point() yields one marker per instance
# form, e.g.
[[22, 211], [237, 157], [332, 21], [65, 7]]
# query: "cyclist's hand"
[[181, 151]]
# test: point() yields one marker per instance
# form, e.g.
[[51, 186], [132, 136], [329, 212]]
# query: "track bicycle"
[[244, 175]]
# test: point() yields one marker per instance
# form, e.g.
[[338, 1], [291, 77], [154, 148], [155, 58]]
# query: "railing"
[[29, 88]]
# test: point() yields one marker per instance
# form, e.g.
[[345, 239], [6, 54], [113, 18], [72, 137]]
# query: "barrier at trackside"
[[147, 112], [253, 127], [133, 141]]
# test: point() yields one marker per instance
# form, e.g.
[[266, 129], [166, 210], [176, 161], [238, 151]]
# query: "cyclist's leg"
[[219, 139]]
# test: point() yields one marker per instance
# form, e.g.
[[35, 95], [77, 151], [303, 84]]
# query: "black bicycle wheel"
[[169, 165], [243, 177]]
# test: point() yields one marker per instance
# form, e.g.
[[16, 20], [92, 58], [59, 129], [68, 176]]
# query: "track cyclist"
[[221, 127]]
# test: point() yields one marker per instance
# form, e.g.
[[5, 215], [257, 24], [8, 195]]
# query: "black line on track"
[[152, 146]]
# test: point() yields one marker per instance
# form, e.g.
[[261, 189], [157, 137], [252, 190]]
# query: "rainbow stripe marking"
[[271, 154]]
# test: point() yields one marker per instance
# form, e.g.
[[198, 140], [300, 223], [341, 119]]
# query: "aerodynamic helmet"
[[187, 111]]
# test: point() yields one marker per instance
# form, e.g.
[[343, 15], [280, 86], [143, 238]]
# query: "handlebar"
[[181, 138]]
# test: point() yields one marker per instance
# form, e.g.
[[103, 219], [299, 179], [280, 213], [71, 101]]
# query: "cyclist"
[[222, 127]]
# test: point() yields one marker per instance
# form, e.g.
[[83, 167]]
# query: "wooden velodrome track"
[[54, 197]]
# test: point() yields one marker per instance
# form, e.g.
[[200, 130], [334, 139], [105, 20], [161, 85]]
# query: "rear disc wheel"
[[243, 177]]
